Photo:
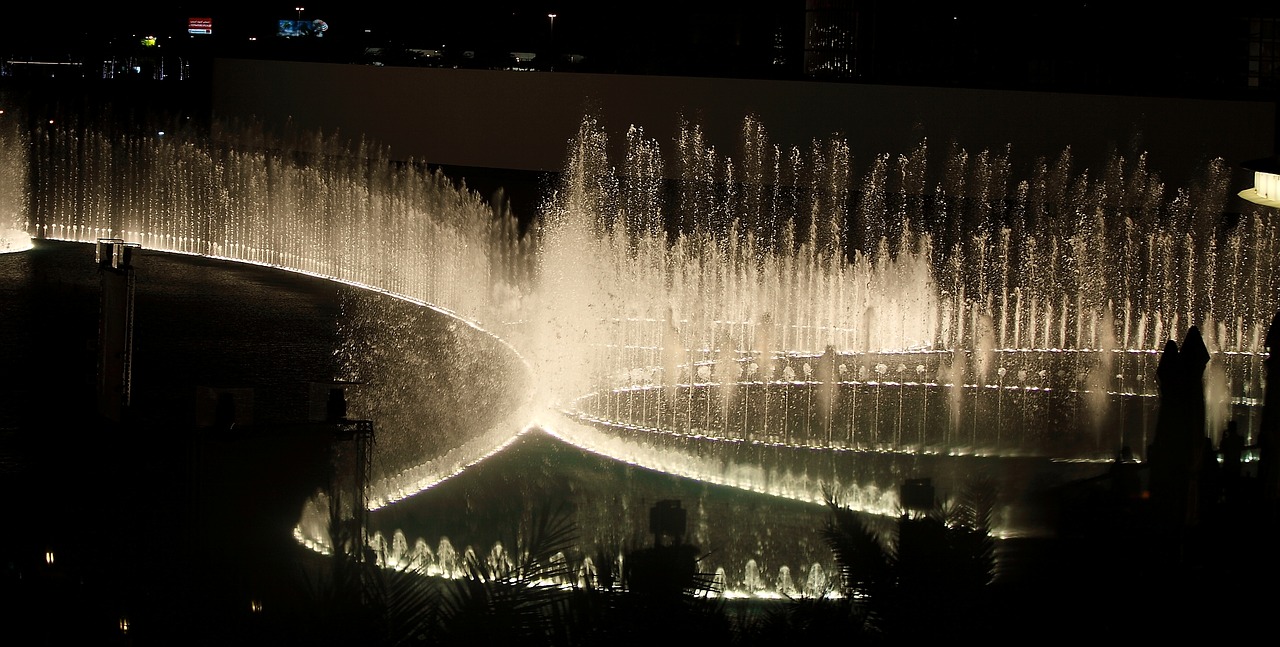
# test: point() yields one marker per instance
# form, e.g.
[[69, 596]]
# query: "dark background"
[[1110, 47]]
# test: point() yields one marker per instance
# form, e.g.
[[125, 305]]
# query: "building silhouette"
[[1226, 49]]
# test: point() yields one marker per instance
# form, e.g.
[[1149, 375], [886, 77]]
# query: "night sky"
[[1112, 48], [1052, 27]]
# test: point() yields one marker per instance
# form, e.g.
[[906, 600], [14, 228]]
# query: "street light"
[[299, 10], [552, 44]]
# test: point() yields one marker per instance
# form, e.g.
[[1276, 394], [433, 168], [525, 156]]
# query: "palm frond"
[[864, 564], [507, 602]]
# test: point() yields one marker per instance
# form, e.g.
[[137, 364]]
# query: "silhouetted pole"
[[351, 457], [1232, 448], [1165, 446], [114, 259], [1268, 434]]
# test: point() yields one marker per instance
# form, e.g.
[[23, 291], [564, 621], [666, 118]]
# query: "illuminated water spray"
[[13, 188], [775, 321], [780, 299]]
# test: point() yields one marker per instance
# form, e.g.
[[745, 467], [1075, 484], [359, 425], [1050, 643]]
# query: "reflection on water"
[[609, 502]]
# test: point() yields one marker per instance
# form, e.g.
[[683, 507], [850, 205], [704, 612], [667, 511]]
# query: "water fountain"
[[13, 192], [774, 323], [959, 311], [14, 240]]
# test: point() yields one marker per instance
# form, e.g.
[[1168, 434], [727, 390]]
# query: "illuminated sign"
[[199, 25], [295, 28]]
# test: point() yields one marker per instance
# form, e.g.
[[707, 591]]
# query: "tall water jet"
[[966, 311], [439, 262], [1006, 290], [775, 322], [14, 161]]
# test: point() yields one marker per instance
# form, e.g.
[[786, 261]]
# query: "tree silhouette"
[[1269, 429], [927, 580], [1177, 451]]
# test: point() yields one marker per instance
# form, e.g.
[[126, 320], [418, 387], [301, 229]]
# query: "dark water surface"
[[153, 517], [198, 323], [608, 502]]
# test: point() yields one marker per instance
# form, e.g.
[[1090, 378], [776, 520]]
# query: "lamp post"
[[552, 45], [299, 10]]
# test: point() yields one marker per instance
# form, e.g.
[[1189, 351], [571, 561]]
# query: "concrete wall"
[[524, 120]]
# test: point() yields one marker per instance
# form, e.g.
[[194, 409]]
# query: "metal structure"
[[114, 259], [352, 465]]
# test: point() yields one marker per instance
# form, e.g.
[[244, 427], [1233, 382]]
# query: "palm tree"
[[927, 577], [515, 598]]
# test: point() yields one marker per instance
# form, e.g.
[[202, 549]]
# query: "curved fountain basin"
[[867, 480], [1052, 403], [484, 510]]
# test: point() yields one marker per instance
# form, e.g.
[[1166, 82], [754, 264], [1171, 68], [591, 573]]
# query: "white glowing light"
[[1265, 190], [13, 240]]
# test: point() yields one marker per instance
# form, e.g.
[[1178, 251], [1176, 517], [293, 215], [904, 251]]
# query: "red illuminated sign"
[[199, 25]]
